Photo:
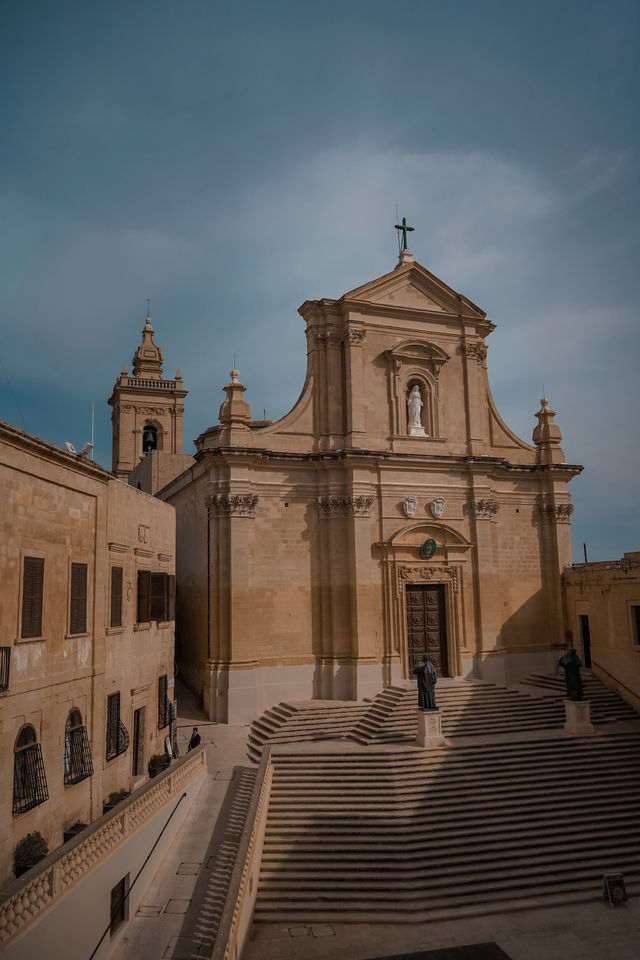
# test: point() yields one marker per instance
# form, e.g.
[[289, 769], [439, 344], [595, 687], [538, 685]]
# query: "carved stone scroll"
[[557, 512], [417, 574]]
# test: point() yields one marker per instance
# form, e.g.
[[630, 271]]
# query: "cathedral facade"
[[390, 512]]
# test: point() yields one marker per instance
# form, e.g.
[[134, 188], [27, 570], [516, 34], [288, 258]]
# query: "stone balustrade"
[[235, 922], [25, 899]]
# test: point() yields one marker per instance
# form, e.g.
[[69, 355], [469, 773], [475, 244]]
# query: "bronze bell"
[[148, 439]]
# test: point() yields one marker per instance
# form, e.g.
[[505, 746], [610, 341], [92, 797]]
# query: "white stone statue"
[[437, 507], [414, 408], [410, 506]]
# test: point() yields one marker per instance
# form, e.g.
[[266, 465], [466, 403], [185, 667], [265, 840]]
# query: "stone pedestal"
[[578, 713], [429, 729]]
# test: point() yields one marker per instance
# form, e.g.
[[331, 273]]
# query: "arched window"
[[149, 439], [29, 780], [77, 755]]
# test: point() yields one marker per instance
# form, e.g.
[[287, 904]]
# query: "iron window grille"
[[117, 733], [164, 714], [29, 778], [77, 754], [5, 665]]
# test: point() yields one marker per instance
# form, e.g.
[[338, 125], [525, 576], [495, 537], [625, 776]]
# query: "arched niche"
[[409, 363]]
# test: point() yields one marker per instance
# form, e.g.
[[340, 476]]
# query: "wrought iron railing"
[[117, 740]]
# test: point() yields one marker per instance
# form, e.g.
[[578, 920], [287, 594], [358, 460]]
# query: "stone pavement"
[[586, 931]]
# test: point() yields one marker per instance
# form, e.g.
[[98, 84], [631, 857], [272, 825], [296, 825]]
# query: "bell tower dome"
[[147, 409]]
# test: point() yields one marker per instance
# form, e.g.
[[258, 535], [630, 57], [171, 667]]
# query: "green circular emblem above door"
[[428, 549]]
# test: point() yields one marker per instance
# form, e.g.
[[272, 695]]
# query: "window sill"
[[76, 636], [142, 626], [163, 624], [30, 639], [114, 631]]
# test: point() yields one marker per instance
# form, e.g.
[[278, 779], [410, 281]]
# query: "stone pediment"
[[413, 287]]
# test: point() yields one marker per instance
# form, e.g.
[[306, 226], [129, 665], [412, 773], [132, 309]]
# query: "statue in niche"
[[426, 674], [572, 663], [414, 409]]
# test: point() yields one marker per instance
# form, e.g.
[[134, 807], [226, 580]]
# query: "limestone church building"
[[390, 511]]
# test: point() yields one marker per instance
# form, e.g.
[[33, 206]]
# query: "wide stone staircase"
[[468, 708], [388, 834], [304, 720]]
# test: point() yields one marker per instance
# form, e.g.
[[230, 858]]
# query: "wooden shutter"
[[32, 590], [144, 596], [116, 597], [158, 596], [171, 597], [78, 615]]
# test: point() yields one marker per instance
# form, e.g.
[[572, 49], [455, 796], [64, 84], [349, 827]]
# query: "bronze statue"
[[572, 663], [426, 674]]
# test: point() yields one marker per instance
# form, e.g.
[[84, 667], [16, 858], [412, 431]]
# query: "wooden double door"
[[427, 626]]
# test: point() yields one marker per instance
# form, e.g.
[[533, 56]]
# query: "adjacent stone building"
[[391, 511], [603, 612], [87, 573]]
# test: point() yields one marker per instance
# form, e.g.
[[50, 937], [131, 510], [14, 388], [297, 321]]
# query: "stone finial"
[[178, 375], [124, 372], [235, 410], [405, 257], [547, 436]]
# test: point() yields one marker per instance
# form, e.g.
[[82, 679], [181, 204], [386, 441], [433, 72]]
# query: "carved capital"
[[485, 509], [557, 512], [232, 505], [329, 507], [151, 411], [355, 337], [143, 533], [474, 351]]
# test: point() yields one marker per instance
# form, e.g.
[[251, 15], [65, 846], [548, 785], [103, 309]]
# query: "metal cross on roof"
[[405, 229]]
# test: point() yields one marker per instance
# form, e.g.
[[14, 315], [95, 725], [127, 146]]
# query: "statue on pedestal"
[[572, 663], [426, 674]]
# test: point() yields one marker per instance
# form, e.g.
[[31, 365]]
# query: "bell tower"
[[147, 410]]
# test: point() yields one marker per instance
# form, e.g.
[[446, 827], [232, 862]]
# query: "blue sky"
[[233, 160]]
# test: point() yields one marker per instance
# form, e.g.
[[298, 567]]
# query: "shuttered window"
[[78, 611], [117, 733], [158, 596], [32, 590], [144, 596], [116, 597]]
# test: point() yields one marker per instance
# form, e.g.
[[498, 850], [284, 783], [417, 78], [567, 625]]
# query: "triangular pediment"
[[412, 286]]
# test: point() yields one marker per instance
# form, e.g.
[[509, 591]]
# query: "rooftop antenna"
[[148, 306], [234, 359], [92, 422]]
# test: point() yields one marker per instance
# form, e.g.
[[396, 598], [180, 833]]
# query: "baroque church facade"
[[390, 512]]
